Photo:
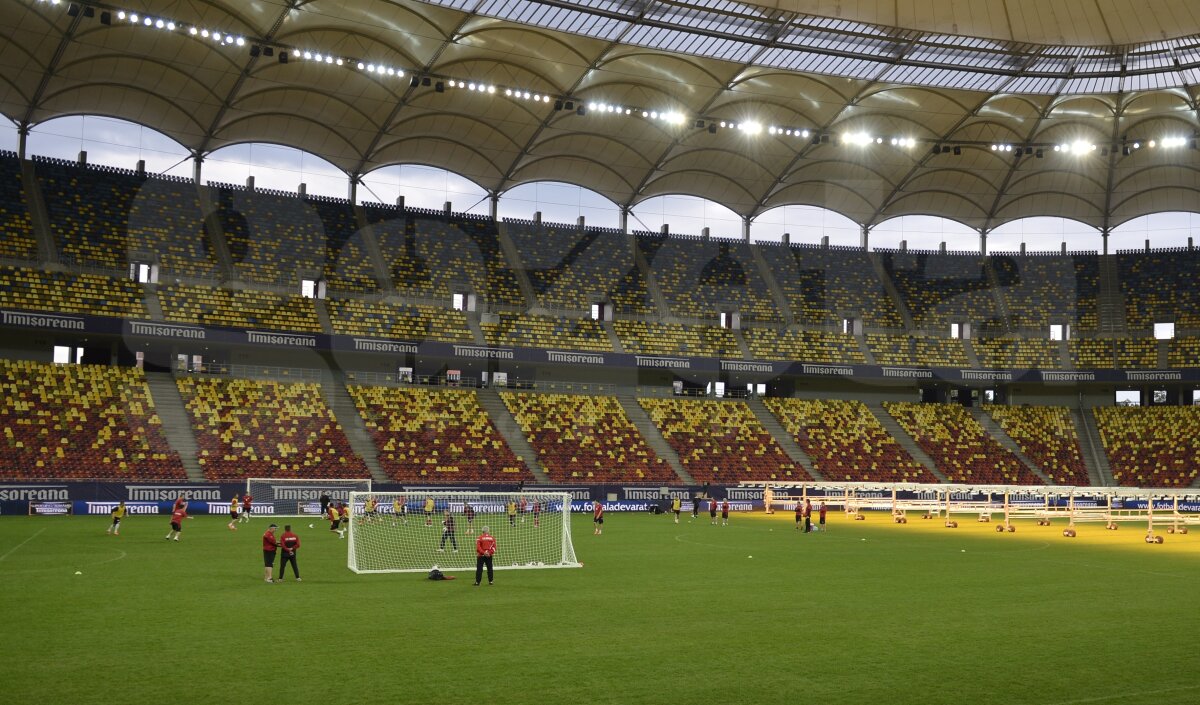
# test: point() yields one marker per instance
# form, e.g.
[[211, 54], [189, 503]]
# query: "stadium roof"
[[1072, 93]]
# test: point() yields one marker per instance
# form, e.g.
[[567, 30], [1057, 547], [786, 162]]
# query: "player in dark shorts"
[[821, 515], [270, 545], [598, 518], [696, 508], [712, 512], [725, 513], [470, 512], [177, 518], [799, 514]]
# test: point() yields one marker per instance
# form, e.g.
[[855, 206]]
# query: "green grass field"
[[869, 612]]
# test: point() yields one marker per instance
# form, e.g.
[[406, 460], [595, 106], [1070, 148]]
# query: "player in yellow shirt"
[[399, 511], [118, 513], [429, 506], [233, 512], [675, 506], [345, 512], [512, 513], [369, 513]]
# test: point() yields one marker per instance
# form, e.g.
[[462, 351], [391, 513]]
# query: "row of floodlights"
[[670, 117]]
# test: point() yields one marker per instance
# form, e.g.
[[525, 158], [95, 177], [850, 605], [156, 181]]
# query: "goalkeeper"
[[448, 532]]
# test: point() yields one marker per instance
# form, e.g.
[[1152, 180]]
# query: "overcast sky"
[[122, 144]]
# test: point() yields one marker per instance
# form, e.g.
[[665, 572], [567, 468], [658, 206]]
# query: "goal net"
[[532, 530], [284, 497]]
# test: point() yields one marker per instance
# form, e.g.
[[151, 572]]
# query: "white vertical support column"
[[624, 222], [745, 228], [197, 167], [864, 237], [983, 242], [22, 136], [1104, 239], [493, 204]]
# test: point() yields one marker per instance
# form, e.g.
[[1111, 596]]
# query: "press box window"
[[312, 288]]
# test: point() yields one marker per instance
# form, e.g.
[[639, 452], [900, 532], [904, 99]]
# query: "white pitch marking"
[[14, 548]]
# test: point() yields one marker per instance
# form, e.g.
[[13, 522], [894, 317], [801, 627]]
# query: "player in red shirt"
[[598, 517], [524, 508], [725, 513], [177, 518], [270, 545], [180, 503], [712, 512], [537, 513], [290, 543], [247, 504], [807, 515], [821, 514], [485, 548], [799, 513], [470, 512]]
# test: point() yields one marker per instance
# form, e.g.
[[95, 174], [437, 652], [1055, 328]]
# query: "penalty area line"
[[14, 548]]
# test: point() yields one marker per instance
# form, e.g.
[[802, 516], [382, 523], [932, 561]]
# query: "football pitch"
[[868, 612]]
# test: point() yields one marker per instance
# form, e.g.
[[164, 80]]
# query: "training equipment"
[[381, 547], [283, 497]]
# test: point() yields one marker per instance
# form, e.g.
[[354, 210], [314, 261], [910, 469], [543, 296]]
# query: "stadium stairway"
[[989, 424], [176, 423], [654, 438], [613, 338], [216, 234], [509, 248], [339, 401], [379, 265], [997, 293], [1110, 303], [660, 301], [1099, 471], [777, 296], [890, 287], [323, 315], [972, 356], [47, 250], [508, 427], [782, 437], [153, 304], [740, 339], [906, 441], [476, 330]]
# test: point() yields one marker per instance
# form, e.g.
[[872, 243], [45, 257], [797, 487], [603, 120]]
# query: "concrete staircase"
[[216, 234], [47, 251], [660, 301], [782, 437], [780, 299], [496, 409], [1111, 302], [323, 315], [743, 346], [346, 413], [382, 270], [514, 262], [176, 423], [153, 304], [476, 329], [1099, 471], [653, 436], [991, 427], [890, 287], [896, 431], [972, 356], [613, 338]]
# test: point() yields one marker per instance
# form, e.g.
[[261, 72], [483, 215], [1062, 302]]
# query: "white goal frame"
[[490, 507], [336, 486]]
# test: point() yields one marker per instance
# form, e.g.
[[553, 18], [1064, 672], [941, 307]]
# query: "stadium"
[[630, 283]]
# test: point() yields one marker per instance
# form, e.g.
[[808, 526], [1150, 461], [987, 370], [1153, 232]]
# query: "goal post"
[[290, 497], [532, 530]]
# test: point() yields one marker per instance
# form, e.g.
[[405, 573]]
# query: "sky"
[[119, 143]]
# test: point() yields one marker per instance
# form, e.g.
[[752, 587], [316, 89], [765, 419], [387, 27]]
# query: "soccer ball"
[[310, 526]]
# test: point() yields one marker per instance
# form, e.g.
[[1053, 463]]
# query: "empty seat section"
[[1018, 353], [586, 439], [942, 289], [271, 236], [846, 442], [245, 308], [701, 278], [823, 285], [67, 422], [962, 449], [17, 240], [721, 441], [63, 292], [1093, 353], [257, 428], [413, 322], [1184, 352], [1160, 287], [803, 345], [940, 352], [347, 263], [1151, 446], [574, 269], [107, 217], [653, 338], [433, 256], [1046, 435], [1048, 289], [435, 436], [547, 332]]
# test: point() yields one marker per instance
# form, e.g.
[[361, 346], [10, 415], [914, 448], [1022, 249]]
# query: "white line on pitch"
[[14, 548]]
